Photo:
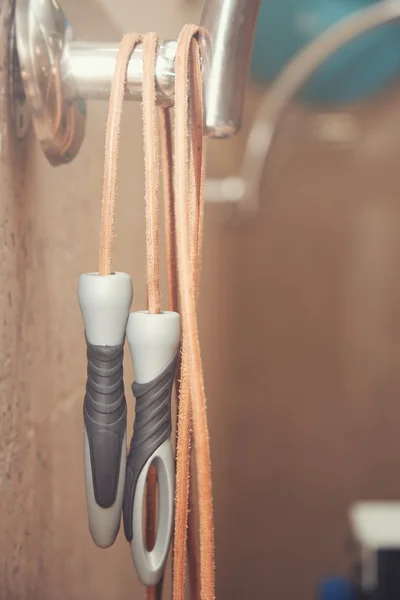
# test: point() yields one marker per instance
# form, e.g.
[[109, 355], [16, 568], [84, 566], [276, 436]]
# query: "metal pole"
[[227, 46], [88, 68]]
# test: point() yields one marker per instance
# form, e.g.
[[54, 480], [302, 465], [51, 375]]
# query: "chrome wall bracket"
[[43, 35], [244, 190], [59, 73]]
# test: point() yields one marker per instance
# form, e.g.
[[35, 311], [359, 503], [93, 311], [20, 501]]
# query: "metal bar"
[[88, 71], [227, 46], [244, 189], [58, 73]]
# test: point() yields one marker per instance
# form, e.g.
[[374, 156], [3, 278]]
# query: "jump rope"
[[164, 345]]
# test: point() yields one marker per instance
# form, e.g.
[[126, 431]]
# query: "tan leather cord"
[[196, 207], [172, 278], [192, 384], [185, 511], [169, 208], [195, 211], [185, 520], [182, 515], [151, 162], [184, 222], [150, 136], [127, 45], [182, 450]]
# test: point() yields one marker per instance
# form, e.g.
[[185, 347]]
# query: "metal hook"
[[244, 189], [59, 74]]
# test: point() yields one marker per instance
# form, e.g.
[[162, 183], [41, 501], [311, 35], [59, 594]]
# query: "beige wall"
[[300, 324]]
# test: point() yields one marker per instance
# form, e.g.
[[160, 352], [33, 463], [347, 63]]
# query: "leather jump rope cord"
[[182, 515], [150, 43], [169, 207], [151, 162], [189, 227], [196, 208], [171, 259], [189, 172], [127, 45], [185, 520]]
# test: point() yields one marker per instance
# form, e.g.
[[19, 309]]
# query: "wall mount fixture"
[[59, 74], [244, 189]]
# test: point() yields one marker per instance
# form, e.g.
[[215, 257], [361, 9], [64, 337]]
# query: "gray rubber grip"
[[105, 435], [152, 428], [105, 302], [154, 344]]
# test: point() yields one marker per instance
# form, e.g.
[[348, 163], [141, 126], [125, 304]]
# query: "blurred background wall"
[[300, 324]]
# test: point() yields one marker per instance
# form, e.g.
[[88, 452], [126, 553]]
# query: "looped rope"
[[127, 46], [189, 176], [184, 228]]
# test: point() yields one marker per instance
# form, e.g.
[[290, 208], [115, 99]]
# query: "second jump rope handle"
[[154, 344], [105, 303]]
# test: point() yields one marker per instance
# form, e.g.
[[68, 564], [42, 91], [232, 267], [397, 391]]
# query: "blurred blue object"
[[336, 589], [363, 67]]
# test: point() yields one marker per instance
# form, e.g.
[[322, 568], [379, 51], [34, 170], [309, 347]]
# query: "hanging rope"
[[128, 44], [151, 171], [151, 162], [184, 212], [189, 173]]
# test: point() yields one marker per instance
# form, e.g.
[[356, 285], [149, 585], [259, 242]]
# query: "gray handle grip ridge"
[[152, 428], [105, 421]]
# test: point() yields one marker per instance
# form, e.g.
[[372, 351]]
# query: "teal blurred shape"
[[362, 68]]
